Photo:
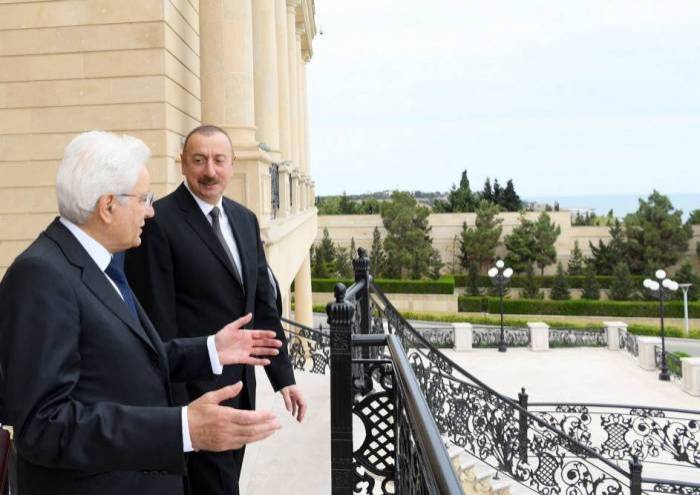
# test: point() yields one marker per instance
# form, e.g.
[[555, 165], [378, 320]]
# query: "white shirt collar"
[[97, 251], [203, 205]]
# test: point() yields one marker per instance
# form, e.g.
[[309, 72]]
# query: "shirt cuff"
[[216, 367], [186, 440]]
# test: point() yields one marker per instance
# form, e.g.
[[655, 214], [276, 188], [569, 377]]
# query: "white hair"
[[96, 163]]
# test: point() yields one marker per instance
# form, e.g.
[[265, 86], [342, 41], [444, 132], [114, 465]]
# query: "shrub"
[[560, 288], [582, 307], [444, 285]]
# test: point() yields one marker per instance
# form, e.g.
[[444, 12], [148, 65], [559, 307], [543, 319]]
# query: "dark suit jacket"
[[85, 385], [186, 284]]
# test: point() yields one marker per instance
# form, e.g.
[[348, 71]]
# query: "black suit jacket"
[[186, 283], [85, 385]]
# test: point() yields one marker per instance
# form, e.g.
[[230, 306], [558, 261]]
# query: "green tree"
[[459, 199], [472, 287], [369, 206], [329, 205], [497, 192], [343, 262], [377, 256], [621, 288], [521, 244], [346, 205], [531, 287], [576, 261], [656, 234], [324, 257], [510, 201], [694, 217], [686, 275], [560, 286], [546, 234], [605, 256], [591, 287], [408, 246], [487, 192], [353, 249], [478, 244]]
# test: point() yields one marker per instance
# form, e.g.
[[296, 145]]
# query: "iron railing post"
[[340, 315], [522, 431], [635, 476], [361, 267]]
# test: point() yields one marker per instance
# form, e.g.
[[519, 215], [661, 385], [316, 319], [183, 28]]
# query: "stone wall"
[[446, 228]]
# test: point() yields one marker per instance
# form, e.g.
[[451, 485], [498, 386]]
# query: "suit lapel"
[[198, 222], [95, 279], [236, 222]]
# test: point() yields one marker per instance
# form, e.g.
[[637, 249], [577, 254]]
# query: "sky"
[[566, 97]]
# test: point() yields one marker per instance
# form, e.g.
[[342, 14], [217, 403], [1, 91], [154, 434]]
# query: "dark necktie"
[[115, 271], [216, 225]]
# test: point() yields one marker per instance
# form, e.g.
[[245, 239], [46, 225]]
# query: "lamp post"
[[661, 288], [500, 276], [684, 288]]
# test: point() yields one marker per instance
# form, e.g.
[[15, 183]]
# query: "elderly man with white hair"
[[84, 377]]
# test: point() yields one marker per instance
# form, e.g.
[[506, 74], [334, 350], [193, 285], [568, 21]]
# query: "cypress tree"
[[576, 261], [531, 287], [621, 287], [591, 287], [560, 286], [472, 286]]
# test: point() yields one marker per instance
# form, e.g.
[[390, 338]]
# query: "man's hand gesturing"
[[235, 345], [217, 428]]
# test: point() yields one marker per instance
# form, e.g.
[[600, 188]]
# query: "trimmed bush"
[[443, 285], [582, 307], [468, 304], [547, 281]]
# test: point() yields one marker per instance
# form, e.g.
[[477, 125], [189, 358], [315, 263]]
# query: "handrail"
[[572, 441], [304, 327], [622, 406], [352, 292], [422, 420]]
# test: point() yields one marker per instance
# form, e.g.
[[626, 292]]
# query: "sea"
[[621, 204]]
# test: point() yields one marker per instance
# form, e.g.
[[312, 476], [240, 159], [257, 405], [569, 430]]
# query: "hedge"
[[546, 281], [443, 285], [576, 307]]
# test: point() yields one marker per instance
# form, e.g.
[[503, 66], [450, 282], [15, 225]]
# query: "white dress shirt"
[[223, 222], [102, 257]]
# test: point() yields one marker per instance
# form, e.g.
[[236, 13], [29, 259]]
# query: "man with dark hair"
[[202, 263]]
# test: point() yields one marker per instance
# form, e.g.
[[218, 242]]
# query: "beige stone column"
[[285, 189], [305, 113], [302, 294], [226, 39], [266, 86], [293, 80], [296, 197], [300, 101], [285, 138]]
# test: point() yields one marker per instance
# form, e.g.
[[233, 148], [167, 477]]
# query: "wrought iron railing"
[[564, 337], [673, 361], [628, 342], [489, 336], [491, 427], [309, 349]]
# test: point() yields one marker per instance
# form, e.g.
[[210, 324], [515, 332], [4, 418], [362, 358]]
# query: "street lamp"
[[684, 288], [662, 288], [500, 276]]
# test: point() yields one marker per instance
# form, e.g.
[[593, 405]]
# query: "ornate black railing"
[[491, 427], [402, 451], [309, 349], [673, 362], [628, 342], [656, 436], [564, 337], [489, 336]]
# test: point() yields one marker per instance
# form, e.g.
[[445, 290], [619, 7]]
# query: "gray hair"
[[96, 163]]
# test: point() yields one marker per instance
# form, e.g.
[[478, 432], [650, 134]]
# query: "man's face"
[[207, 164], [130, 213]]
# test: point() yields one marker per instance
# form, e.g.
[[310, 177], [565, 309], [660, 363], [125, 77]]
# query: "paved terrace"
[[297, 459]]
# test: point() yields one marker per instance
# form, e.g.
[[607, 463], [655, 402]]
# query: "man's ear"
[[105, 206]]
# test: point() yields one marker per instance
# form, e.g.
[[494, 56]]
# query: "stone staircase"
[[476, 478]]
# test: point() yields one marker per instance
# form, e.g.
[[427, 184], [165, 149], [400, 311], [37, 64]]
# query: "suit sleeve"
[[41, 360], [149, 269], [279, 371]]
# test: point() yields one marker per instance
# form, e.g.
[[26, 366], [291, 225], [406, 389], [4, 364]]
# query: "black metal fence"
[[275, 188]]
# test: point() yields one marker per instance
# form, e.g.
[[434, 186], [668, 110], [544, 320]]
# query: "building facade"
[[155, 69]]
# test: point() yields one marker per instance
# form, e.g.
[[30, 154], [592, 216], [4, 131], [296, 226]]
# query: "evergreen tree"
[[510, 199], [377, 257], [531, 287], [560, 286], [656, 234], [591, 287], [493, 291], [459, 199], [324, 259], [694, 217], [497, 193], [408, 246], [435, 265], [607, 255], [621, 287], [686, 275], [521, 244], [346, 206], [576, 261], [472, 287], [487, 193], [343, 262], [353, 249], [556, 206], [546, 234], [478, 244]]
